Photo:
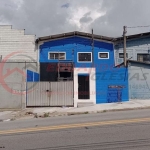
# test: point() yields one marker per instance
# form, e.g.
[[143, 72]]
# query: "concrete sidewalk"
[[130, 105], [7, 115], [61, 111]]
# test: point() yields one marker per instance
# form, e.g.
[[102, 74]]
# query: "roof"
[[89, 35], [75, 33], [134, 36], [139, 62]]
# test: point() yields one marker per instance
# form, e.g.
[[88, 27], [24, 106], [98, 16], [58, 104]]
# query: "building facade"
[[137, 48], [86, 69], [139, 80], [18, 58], [138, 56], [88, 63]]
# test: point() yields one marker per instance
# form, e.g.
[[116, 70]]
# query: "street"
[[122, 130]]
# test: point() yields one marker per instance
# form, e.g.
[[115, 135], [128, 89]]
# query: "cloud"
[[106, 17], [65, 5], [85, 19]]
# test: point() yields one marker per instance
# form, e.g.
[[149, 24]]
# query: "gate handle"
[[48, 91]]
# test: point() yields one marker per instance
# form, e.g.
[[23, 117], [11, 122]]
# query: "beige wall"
[[13, 40]]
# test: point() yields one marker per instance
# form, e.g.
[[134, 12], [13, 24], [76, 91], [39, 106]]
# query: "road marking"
[[69, 126]]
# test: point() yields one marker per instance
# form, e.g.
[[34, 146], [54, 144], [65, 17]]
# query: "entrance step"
[[85, 104]]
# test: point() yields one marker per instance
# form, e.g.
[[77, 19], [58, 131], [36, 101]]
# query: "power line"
[[139, 26]]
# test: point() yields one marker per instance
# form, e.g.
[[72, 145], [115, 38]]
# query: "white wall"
[[132, 53], [13, 40], [139, 81], [134, 47], [91, 72]]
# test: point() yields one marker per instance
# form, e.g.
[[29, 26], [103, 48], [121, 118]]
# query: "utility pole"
[[92, 49], [124, 47]]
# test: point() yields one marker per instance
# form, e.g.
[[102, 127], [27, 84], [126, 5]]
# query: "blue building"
[[87, 62]]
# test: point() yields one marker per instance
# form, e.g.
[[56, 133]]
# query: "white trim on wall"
[[92, 83], [84, 61], [56, 52], [103, 52]]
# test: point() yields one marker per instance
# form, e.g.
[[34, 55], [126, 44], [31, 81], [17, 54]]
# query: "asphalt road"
[[127, 130]]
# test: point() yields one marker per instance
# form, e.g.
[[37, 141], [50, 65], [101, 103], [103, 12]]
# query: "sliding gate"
[[40, 94]]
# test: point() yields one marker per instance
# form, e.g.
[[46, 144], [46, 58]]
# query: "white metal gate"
[[50, 94]]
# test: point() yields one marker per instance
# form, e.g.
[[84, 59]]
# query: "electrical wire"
[[139, 26]]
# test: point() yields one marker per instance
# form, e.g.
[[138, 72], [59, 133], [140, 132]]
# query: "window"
[[121, 55], [143, 57], [103, 55], [57, 55], [85, 57]]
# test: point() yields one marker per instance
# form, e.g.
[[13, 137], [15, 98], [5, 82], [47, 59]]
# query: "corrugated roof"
[[75, 33], [89, 35], [139, 62], [130, 37]]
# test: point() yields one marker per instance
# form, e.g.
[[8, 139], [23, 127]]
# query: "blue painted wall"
[[76, 44], [113, 77], [72, 46], [32, 76]]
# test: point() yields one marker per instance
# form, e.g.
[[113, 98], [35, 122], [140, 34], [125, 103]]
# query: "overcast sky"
[[47, 17]]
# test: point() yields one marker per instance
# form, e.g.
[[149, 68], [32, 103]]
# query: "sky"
[[49, 17]]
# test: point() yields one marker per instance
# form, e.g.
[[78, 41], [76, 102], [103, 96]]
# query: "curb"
[[5, 120], [58, 114], [103, 111]]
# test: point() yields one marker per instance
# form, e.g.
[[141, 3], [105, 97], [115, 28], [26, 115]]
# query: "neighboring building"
[[18, 62], [139, 80], [138, 48], [138, 56], [70, 58], [17, 51], [14, 40]]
